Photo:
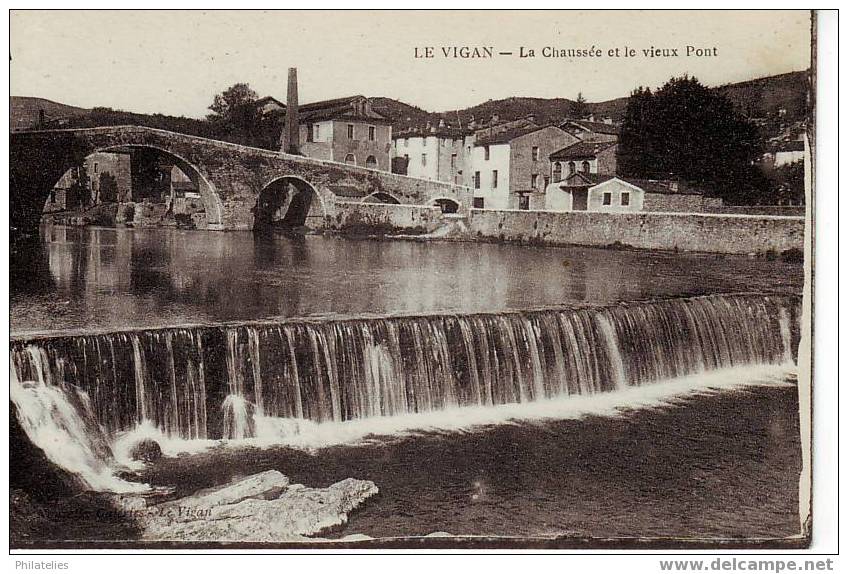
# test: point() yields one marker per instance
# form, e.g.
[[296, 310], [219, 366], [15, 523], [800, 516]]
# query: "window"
[[625, 198], [405, 142], [371, 162], [534, 151], [350, 158], [547, 181], [453, 161], [607, 198], [494, 178], [557, 171], [585, 167], [424, 142], [572, 168], [423, 159], [476, 180], [478, 202], [524, 202], [350, 131], [534, 180], [53, 195], [372, 133], [406, 157], [486, 153], [95, 167], [316, 136]]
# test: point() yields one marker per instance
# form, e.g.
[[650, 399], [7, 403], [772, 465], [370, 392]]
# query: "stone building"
[[437, 152], [102, 178], [604, 193], [597, 157], [511, 167], [345, 130]]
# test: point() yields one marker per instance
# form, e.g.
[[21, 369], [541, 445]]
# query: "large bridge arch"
[[208, 194]]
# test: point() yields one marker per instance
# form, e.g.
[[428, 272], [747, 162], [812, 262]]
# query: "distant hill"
[[24, 111], [766, 96], [755, 98]]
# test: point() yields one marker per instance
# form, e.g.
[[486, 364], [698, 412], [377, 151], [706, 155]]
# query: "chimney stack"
[[291, 132]]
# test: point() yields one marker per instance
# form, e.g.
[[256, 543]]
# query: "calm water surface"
[[87, 278]]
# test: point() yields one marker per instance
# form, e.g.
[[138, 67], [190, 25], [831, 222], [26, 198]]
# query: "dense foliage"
[[686, 131]]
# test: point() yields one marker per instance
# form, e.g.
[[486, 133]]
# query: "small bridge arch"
[[287, 202], [446, 204], [380, 197]]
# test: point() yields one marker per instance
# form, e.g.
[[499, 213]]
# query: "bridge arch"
[[446, 204], [208, 194], [287, 202], [380, 197]]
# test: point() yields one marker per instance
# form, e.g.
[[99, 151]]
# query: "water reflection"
[[92, 277]]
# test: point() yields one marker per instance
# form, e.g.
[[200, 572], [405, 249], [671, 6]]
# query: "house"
[[586, 157], [604, 193], [438, 152], [103, 177], [510, 167], [346, 130], [784, 153], [590, 130]]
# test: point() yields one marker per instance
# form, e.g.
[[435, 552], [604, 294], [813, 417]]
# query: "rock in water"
[[248, 511], [146, 450], [266, 485]]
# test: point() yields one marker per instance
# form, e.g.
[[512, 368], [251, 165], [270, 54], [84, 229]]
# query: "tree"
[[235, 117], [579, 107], [634, 150], [686, 131]]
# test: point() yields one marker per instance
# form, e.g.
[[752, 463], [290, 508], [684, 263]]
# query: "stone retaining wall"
[[682, 231]]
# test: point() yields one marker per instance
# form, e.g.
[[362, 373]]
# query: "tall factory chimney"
[[291, 132]]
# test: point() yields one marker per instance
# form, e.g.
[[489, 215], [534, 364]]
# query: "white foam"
[[305, 434]]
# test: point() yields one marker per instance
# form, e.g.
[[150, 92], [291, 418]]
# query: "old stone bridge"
[[235, 182]]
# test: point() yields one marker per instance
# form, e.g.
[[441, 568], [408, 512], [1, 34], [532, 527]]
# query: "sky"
[[174, 62]]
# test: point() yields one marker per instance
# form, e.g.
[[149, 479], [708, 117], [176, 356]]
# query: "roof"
[[582, 150], [339, 108], [582, 179], [446, 131], [269, 100], [509, 134], [596, 127], [663, 186]]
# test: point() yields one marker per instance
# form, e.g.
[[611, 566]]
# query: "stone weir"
[[212, 381]]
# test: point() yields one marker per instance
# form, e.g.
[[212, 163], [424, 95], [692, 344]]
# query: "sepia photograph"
[[350, 279]]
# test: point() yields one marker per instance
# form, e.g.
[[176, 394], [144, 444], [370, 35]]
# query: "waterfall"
[[219, 381], [59, 420]]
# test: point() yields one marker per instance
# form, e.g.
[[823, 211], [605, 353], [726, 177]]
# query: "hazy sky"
[[174, 62]]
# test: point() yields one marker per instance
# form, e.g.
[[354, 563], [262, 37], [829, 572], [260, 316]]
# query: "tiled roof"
[[433, 131], [661, 186], [508, 135], [582, 179], [338, 108], [581, 150], [596, 127]]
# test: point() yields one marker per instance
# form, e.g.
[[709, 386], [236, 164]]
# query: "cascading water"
[[230, 381]]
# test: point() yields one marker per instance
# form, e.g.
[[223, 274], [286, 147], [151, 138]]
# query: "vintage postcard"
[[543, 281]]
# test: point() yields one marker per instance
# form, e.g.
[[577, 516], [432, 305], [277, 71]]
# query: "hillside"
[[24, 111], [755, 98]]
